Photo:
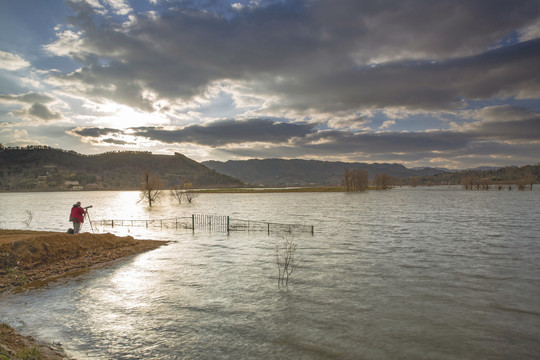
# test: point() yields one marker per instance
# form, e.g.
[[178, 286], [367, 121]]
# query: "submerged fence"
[[212, 223]]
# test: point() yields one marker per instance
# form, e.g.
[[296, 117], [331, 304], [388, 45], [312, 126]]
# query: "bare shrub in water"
[[286, 261], [29, 217], [184, 192]]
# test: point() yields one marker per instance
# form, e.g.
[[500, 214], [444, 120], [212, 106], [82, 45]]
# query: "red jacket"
[[77, 214]]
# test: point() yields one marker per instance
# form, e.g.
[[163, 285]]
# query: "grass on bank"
[[13, 348]]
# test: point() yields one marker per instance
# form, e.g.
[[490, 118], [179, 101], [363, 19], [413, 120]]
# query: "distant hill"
[[44, 168], [279, 172]]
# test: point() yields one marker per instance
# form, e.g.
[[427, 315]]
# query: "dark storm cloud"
[[313, 54], [504, 123], [526, 130], [226, 132], [421, 84]]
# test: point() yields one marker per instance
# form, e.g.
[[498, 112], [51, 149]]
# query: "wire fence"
[[212, 223]]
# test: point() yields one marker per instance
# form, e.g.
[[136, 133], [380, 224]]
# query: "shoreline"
[[32, 259]]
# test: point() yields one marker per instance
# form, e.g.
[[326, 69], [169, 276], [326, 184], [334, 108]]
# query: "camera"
[[88, 207]]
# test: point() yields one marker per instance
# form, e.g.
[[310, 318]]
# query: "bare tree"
[[177, 193], [472, 181], [151, 188], [184, 192], [467, 182], [383, 181], [524, 182], [414, 181], [355, 180]]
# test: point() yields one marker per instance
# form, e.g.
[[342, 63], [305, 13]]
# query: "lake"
[[423, 273]]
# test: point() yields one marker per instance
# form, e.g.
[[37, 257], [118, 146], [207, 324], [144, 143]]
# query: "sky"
[[423, 83]]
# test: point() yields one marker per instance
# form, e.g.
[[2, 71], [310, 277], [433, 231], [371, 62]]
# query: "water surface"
[[425, 273]]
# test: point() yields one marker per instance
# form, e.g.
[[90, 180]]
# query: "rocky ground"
[[32, 258]]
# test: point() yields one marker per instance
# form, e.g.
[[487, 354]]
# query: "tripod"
[[87, 214]]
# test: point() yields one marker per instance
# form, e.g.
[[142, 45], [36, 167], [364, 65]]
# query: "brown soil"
[[31, 258]]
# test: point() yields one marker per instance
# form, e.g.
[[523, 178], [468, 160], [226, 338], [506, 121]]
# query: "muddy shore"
[[33, 258]]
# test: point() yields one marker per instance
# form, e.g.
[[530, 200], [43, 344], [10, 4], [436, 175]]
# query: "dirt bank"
[[31, 258]]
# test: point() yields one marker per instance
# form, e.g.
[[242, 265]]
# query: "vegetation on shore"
[[14, 346]]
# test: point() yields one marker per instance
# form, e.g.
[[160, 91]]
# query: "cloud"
[[504, 123], [95, 132], [387, 124], [305, 78], [12, 62], [498, 131], [28, 98], [310, 56], [117, 142], [38, 111], [225, 132]]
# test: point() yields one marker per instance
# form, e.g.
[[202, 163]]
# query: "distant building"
[[72, 185]]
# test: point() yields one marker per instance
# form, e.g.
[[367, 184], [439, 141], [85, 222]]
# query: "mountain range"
[[281, 172], [41, 168]]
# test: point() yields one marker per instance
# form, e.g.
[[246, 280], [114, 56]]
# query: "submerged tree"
[[383, 181], [475, 182], [151, 188], [525, 182]]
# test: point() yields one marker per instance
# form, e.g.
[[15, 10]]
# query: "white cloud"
[[68, 43], [121, 7], [531, 32], [12, 62], [387, 124]]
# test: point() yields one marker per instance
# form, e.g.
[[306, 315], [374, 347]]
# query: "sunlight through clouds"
[[242, 78]]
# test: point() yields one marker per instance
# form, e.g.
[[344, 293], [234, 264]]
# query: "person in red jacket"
[[77, 217]]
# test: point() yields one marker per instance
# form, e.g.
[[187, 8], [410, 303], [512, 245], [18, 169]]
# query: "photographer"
[[77, 216]]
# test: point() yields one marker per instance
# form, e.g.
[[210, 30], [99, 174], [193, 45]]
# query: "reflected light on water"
[[432, 273]]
